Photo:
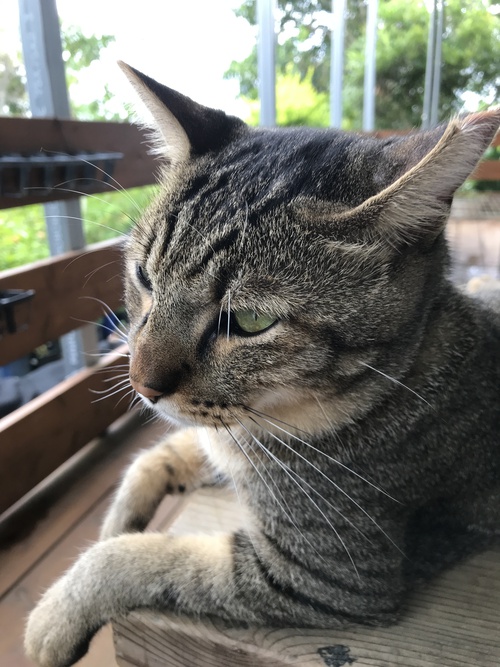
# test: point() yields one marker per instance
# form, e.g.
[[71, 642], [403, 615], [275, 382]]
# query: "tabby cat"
[[291, 307]]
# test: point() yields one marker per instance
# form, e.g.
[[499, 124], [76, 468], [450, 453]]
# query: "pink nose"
[[147, 392]]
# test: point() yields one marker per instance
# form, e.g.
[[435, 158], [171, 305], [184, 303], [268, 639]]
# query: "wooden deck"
[[54, 527]]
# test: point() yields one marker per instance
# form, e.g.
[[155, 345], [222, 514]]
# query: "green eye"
[[251, 322]]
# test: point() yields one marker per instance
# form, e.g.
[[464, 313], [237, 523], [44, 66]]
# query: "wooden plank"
[[16, 605], [30, 135], [29, 529], [68, 527], [41, 435], [451, 622], [63, 285]]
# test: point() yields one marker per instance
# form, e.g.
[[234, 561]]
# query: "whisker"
[[391, 379], [242, 450], [110, 312], [75, 217], [336, 509], [108, 395], [271, 421], [228, 312], [117, 377], [102, 326], [110, 389], [339, 488], [265, 449]]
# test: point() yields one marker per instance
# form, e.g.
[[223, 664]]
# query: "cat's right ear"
[[182, 128]]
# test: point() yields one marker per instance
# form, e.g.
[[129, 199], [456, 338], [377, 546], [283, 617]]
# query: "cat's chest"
[[226, 453]]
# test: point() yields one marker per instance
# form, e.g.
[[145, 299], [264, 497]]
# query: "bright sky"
[[185, 44]]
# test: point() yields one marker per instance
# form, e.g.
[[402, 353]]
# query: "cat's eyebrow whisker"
[[86, 195], [336, 486], [271, 421], [58, 186], [93, 222], [109, 310], [264, 448], [220, 317], [392, 379], [92, 273], [245, 224], [118, 186]]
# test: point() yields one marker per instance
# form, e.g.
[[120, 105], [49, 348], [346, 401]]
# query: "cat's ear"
[[182, 127], [433, 165]]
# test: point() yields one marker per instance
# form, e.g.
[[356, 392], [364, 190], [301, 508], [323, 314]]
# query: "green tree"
[[471, 54], [79, 52]]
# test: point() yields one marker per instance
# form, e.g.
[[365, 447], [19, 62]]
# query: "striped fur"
[[360, 428]]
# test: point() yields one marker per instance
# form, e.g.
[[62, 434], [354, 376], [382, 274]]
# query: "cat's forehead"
[[264, 168]]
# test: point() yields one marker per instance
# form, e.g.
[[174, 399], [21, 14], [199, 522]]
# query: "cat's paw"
[[170, 468], [57, 635]]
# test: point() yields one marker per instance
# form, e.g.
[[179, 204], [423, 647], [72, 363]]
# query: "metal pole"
[[48, 96], [429, 69], [337, 62], [370, 66], [266, 62], [436, 78]]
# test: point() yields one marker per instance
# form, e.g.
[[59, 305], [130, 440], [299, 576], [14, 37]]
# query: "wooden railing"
[[69, 290]]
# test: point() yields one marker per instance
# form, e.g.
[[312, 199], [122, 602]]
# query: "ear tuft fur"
[[417, 204]]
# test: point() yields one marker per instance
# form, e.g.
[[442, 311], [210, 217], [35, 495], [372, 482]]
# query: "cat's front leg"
[[176, 465], [124, 573]]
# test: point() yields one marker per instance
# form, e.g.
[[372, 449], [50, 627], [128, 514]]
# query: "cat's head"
[[278, 267]]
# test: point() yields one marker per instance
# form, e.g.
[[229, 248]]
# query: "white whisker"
[[391, 379], [272, 420], [336, 486], [280, 463]]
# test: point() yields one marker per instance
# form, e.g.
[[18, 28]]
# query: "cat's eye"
[[251, 322], [142, 276]]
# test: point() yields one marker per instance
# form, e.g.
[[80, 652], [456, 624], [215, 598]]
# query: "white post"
[[266, 62], [337, 62], [370, 67], [49, 98]]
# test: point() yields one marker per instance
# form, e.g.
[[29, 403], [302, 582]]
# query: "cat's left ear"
[[436, 163], [182, 128]]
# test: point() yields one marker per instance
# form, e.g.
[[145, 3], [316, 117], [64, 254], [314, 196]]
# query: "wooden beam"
[[28, 136], [44, 433], [63, 285], [451, 621]]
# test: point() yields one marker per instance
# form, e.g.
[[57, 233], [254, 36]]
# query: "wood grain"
[[454, 621], [66, 288]]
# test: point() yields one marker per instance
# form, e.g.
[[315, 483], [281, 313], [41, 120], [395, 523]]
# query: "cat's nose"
[[147, 392]]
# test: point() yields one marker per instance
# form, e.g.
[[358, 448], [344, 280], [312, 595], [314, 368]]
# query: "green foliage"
[[298, 102], [23, 236], [470, 50], [79, 52]]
